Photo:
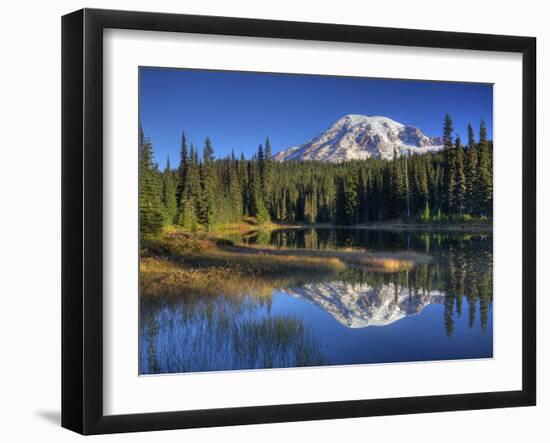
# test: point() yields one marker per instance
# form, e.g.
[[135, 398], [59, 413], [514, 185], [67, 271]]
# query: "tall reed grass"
[[215, 335]]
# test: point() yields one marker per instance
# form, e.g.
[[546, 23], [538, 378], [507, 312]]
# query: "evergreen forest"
[[453, 185]]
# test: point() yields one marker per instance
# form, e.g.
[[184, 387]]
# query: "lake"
[[438, 309]]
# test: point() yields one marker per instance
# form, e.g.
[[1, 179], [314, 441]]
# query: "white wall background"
[[30, 218]]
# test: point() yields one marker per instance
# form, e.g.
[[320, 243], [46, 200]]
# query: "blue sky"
[[238, 110]]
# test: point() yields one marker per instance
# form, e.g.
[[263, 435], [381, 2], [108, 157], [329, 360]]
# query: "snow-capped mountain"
[[359, 306], [360, 137]]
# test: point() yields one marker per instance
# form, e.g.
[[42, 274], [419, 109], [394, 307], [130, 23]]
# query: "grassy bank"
[[380, 261], [179, 263], [247, 224], [204, 263]]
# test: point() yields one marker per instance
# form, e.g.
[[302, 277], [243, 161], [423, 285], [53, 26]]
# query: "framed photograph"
[[269, 221]]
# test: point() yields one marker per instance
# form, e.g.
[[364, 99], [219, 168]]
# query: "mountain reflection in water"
[[359, 306], [438, 310]]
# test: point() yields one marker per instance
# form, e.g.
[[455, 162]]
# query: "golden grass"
[[178, 263], [162, 277], [382, 261], [213, 270], [246, 225], [388, 264]]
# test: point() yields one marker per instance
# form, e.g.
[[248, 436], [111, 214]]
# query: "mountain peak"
[[358, 119], [356, 136]]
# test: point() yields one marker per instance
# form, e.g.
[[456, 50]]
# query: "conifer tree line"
[[452, 185]]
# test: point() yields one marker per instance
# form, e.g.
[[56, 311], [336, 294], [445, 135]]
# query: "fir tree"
[[208, 185], [267, 149], [150, 207], [242, 170], [471, 172], [169, 194], [423, 189], [407, 187], [191, 197], [261, 157], [268, 177], [182, 169], [261, 170], [426, 213], [350, 198], [256, 207], [398, 190], [234, 193], [449, 169], [485, 179], [460, 178]]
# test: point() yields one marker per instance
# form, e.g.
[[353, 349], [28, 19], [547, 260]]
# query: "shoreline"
[[246, 228], [388, 227]]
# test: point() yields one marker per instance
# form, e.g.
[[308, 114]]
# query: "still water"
[[439, 309]]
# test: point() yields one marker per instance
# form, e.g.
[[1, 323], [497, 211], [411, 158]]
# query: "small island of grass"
[[176, 262]]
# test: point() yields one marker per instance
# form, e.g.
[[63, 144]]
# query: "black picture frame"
[[82, 219]]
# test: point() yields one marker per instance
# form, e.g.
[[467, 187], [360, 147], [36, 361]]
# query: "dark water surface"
[[438, 310]]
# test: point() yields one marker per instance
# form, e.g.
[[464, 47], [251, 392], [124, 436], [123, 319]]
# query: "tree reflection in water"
[[240, 332]]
